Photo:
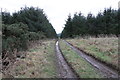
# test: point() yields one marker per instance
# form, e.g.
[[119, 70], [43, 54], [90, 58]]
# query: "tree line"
[[105, 23], [28, 24]]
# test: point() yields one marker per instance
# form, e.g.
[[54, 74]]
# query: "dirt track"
[[105, 70], [64, 69]]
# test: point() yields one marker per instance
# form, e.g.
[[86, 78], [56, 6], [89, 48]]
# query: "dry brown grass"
[[39, 62]]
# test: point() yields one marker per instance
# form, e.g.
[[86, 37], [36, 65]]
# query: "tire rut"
[[64, 70], [106, 71]]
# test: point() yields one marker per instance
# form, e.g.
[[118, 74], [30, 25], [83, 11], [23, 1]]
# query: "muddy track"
[[107, 72], [64, 68]]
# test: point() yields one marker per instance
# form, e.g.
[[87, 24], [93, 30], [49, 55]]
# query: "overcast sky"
[[57, 11]]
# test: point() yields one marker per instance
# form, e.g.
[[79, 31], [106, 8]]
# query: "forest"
[[31, 48], [19, 28], [104, 23]]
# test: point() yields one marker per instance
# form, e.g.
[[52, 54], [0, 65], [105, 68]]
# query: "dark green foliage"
[[35, 36], [105, 23], [34, 18], [68, 30], [28, 24], [36, 21], [6, 17], [118, 21], [14, 36]]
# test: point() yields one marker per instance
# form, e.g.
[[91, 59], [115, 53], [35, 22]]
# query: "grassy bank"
[[83, 68], [105, 49], [39, 62]]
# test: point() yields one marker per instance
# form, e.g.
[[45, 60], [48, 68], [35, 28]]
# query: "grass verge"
[[39, 62], [82, 68], [104, 49]]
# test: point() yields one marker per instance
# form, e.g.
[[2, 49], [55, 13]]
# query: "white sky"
[[57, 11]]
